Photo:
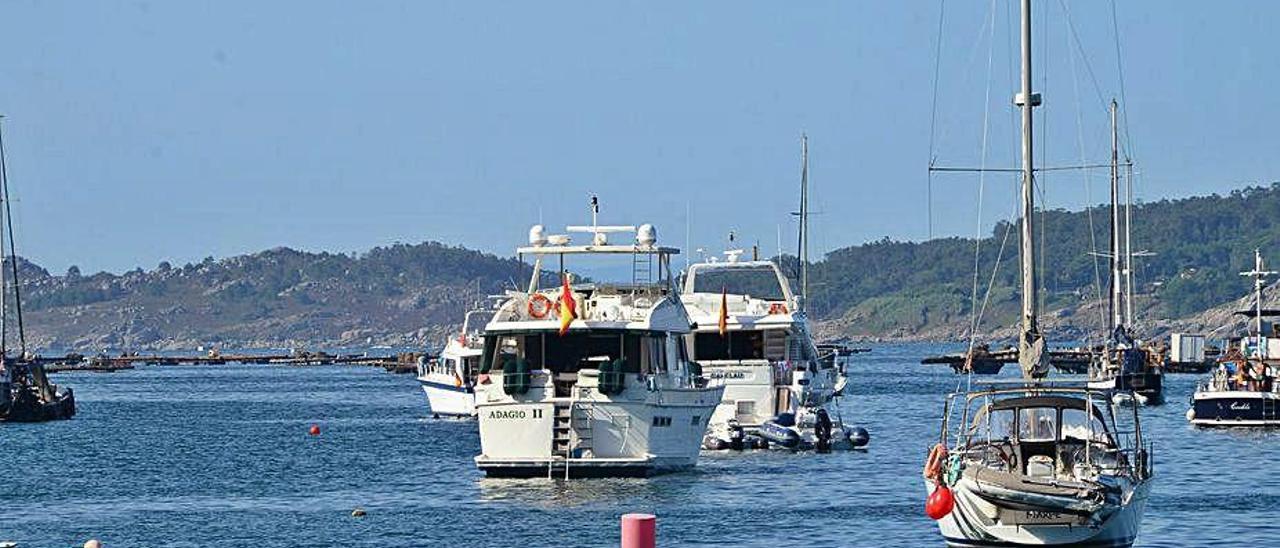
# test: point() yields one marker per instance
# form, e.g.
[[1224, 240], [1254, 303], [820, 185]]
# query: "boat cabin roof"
[[1064, 402]]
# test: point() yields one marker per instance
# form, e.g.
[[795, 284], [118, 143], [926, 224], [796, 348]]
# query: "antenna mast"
[[1259, 275]]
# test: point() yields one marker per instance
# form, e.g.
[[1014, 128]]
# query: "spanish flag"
[[724, 313], [568, 310]]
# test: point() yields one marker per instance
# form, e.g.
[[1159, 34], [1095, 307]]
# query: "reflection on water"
[[181, 456]]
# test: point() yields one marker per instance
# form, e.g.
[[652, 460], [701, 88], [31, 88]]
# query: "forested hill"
[[910, 289], [399, 295], [412, 294]]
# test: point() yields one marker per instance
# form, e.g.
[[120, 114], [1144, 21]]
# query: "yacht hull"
[[974, 522], [447, 398], [1235, 408], [562, 437]]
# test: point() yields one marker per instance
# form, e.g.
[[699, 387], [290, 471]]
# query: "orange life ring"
[[777, 308], [539, 306], [933, 464]]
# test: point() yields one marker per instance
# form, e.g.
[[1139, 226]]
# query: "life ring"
[[777, 308], [539, 306], [933, 464]]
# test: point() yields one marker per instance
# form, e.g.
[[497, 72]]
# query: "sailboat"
[[753, 338], [1036, 462], [26, 395], [1123, 365]]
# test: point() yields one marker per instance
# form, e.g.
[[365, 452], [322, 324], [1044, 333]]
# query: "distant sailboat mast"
[[803, 245], [1115, 304], [1031, 345]]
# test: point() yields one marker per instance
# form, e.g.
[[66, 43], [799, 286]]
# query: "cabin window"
[[1038, 424], [994, 425], [1077, 425], [696, 420], [759, 282], [661, 421], [577, 350], [734, 345]]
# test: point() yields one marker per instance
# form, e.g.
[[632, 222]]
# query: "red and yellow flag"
[[568, 310], [724, 313]]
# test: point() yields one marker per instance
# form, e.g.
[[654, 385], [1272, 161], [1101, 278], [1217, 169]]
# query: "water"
[[198, 456]]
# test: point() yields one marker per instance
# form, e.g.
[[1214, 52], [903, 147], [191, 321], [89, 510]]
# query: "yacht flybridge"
[[753, 339], [1038, 462], [449, 380], [591, 379]]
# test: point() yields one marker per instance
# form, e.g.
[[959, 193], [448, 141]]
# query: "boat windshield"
[[1038, 424], [639, 351], [760, 282]]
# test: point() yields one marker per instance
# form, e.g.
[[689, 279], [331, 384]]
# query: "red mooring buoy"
[[939, 503], [314, 430]]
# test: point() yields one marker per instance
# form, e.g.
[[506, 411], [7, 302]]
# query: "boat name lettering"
[[517, 414], [728, 375], [1241, 406], [1042, 515]]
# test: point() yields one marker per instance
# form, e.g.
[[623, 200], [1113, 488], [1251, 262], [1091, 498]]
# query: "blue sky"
[[145, 131]]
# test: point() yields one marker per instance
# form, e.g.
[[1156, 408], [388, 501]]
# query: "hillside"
[[397, 295], [412, 294], [922, 290]]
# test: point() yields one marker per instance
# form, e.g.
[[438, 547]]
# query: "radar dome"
[[647, 235], [537, 236]]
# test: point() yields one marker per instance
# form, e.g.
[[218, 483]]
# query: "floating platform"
[[1072, 360]]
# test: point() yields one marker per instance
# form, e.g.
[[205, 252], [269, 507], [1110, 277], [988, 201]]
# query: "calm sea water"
[[203, 456]]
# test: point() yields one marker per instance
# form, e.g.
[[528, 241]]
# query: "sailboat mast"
[[1115, 302], [4, 290], [1128, 244], [804, 221], [1031, 345]]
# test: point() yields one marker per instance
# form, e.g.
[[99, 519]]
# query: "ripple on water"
[[183, 456]]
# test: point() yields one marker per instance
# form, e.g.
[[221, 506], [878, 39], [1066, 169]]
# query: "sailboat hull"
[[975, 521], [27, 406]]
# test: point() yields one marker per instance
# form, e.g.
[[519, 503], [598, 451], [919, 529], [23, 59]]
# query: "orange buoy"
[[940, 503], [314, 430]]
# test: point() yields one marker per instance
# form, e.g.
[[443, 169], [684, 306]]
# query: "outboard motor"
[[822, 432], [736, 436]]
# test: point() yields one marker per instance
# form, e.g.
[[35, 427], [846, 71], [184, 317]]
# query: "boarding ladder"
[[572, 431], [1268, 408]]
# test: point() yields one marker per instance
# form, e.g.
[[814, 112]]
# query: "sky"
[[138, 132]]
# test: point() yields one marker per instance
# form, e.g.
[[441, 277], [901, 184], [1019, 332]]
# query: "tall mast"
[[4, 200], [1115, 302], [804, 221], [1128, 244], [1031, 355]]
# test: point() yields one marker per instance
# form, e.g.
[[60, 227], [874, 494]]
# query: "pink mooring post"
[[639, 531]]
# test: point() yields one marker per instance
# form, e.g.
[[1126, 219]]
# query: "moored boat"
[[1242, 390], [448, 380], [26, 394], [592, 379], [1037, 462]]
